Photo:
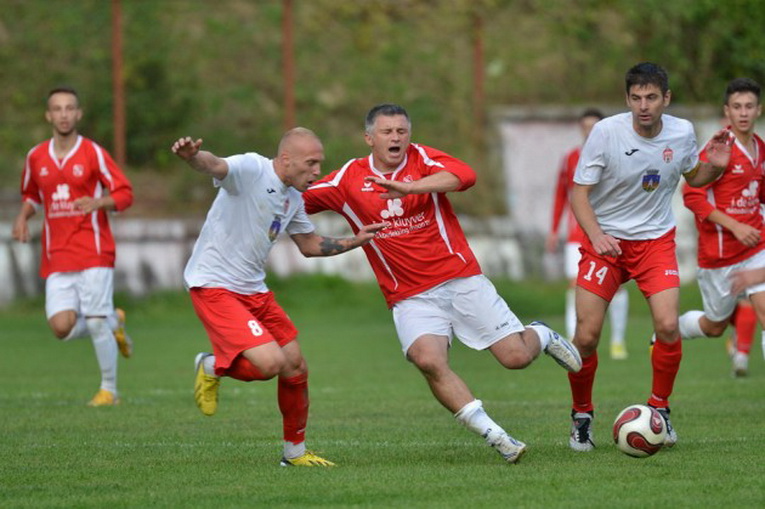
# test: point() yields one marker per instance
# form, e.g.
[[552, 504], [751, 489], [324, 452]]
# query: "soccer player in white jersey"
[[76, 182], [251, 335], [619, 307], [629, 168], [426, 269], [730, 224]]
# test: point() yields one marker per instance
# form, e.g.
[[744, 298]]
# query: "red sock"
[[582, 382], [293, 403], [745, 321], [665, 361], [242, 369]]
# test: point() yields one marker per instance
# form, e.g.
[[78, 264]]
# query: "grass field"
[[371, 413]]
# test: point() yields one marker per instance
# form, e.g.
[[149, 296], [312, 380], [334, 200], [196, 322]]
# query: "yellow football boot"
[[104, 398], [124, 343], [308, 459], [205, 387]]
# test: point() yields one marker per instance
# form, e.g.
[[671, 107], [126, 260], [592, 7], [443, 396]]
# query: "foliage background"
[[213, 69]]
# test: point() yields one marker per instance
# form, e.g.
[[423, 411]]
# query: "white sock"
[[543, 333], [106, 352], [570, 312], [475, 418], [690, 327], [292, 451], [208, 364], [617, 312], [763, 343], [79, 330]]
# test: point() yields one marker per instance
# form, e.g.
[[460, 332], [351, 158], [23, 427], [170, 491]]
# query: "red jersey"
[[423, 244], [739, 193], [563, 198], [71, 239]]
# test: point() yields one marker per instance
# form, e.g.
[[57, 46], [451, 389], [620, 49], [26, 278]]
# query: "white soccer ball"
[[639, 431]]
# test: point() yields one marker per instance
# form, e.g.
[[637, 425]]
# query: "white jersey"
[[252, 207], [634, 177]]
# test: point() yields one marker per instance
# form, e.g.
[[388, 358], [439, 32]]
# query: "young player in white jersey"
[[629, 169], [619, 306], [426, 269], [75, 182], [252, 337], [730, 224]]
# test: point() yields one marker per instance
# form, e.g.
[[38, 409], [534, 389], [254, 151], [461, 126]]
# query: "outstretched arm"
[[201, 160], [718, 153], [312, 244], [440, 182]]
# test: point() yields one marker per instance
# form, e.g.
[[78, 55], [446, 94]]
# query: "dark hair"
[[592, 112], [64, 90], [647, 73], [742, 85], [386, 109]]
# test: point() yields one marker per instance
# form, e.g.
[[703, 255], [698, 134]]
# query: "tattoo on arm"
[[331, 246]]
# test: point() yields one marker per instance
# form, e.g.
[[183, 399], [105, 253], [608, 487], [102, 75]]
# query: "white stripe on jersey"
[[720, 231], [335, 181], [425, 158], [355, 218], [442, 226], [102, 165]]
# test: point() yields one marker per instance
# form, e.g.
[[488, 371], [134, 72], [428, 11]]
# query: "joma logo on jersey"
[[651, 180], [394, 209], [668, 155], [62, 192]]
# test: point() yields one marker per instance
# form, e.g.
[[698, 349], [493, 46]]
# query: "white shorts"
[[571, 257], [88, 292], [469, 308], [714, 284]]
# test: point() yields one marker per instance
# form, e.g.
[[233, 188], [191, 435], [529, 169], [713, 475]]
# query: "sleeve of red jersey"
[[456, 167], [117, 183], [29, 190], [561, 196], [695, 199], [324, 194]]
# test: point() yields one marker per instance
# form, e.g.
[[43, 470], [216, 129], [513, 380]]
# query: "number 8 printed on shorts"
[[600, 274], [255, 328]]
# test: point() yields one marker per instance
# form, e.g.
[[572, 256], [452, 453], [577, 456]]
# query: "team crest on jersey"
[[668, 153], [78, 170], [651, 180], [408, 179], [276, 227]]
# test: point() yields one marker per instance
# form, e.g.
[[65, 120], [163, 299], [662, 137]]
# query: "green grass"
[[371, 413]]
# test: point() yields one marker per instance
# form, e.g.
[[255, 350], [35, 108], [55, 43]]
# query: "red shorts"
[[651, 263], [236, 322]]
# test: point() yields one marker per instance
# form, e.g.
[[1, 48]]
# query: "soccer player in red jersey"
[[730, 225], [426, 269], [76, 182], [619, 306], [251, 335], [628, 171]]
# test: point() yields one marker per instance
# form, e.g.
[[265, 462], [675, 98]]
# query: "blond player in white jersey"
[[629, 168]]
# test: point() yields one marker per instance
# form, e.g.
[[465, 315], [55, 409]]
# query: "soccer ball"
[[639, 431]]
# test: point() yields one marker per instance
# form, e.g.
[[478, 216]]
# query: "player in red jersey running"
[[251, 335], [619, 306], [730, 224], [76, 182], [628, 171], [426, 269]]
